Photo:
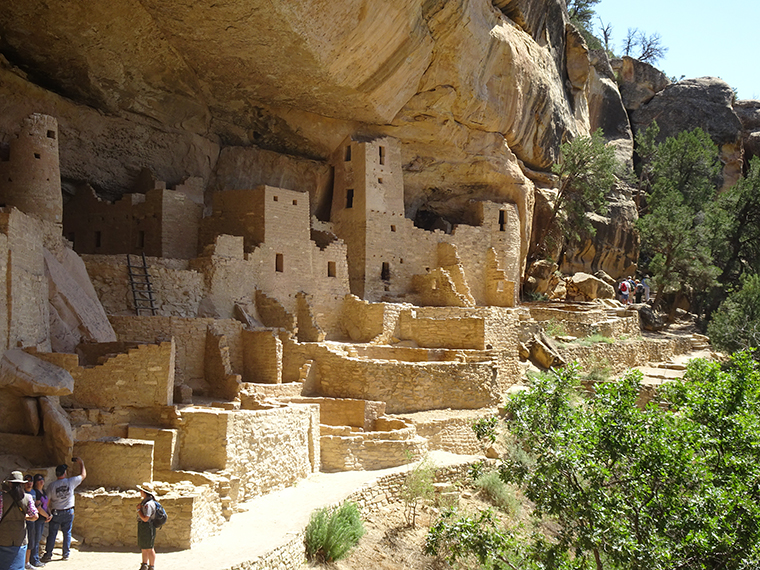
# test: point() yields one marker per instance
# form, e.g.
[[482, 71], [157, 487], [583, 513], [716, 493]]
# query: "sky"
[[719, 38]]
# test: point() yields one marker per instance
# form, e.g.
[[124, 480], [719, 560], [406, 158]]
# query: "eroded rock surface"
[[748, 112]]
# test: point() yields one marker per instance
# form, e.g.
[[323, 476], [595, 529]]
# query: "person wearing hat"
[[146, 532], [61, 503], [16, 507]]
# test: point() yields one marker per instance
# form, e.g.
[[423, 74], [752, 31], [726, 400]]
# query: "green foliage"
[[736, 324], [586, 172], [733, 228], [498, 492], [475, 470], [470, 541], [658, 488], [332, 533], [553, 327], [598, 370], [680, 176], [485, 430], [417, 487]]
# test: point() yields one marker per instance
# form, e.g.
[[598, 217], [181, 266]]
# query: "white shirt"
[[61, 492]]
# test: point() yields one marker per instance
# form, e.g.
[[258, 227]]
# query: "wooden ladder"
[[142, 289]]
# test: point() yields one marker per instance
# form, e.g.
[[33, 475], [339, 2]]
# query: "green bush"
[[501, 494], [418, 486], [333, 532]]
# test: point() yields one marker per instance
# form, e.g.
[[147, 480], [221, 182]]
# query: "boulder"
[[544, 353], [638, 81], [706, 103], [585, 287], [28, 375], [605, 277], [76, 313], [58, 435], [650, 320], [541, 278], [748, 112]]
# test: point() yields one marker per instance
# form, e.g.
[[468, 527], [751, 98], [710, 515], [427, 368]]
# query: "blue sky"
[[717, 38]]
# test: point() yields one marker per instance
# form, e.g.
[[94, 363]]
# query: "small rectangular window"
[[502, 220], [379, 180], [295, 202], [36, 155], [331, 269], [393, 228], [278, 263], [275, 198], [98, 236], [382, 154], [51, 134], [349, 198], [140, 239], [348, 153]]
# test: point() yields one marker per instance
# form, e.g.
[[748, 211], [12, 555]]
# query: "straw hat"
[[16, 477], [147, 488]]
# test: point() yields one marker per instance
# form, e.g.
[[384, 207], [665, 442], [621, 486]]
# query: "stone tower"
[[30, 178], [368, 198]]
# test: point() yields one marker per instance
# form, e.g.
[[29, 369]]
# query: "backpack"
[[159, 517], [624, 287]]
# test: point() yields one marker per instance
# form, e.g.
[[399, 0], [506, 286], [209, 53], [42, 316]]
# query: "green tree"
[[679, 177], [586, 172], [736, 323], [670, 485]]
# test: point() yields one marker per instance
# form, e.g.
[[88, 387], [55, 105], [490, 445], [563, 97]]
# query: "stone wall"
[[629, 353], [177, 290], [190, 340], [120, 463], [108, 519], [347, 449], [450, 430], [140, 377], [408, 386], [265, 449], [25, 287]]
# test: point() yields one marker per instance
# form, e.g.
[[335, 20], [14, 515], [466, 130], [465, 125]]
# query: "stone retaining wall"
[[629, 353]]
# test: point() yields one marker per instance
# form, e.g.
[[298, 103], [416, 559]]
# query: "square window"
[[295, 202], [51, 134], [275, 198]]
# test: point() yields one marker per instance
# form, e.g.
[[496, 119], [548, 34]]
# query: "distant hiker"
[[639, 291], [61, 496], [645, 283], [16, 507], [146, 532], [624, 289]]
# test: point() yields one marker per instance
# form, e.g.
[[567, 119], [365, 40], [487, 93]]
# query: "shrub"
[[333, 532], [418, 486], [501, 494], [485, 430]]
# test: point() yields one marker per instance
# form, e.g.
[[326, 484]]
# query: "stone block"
[[121, 463], [31, 376]]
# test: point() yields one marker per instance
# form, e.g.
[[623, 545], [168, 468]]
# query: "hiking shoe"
[[65, 557], [45, 559], [144, 566]]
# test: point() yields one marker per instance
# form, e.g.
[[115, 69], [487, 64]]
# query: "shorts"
[[146, 535]]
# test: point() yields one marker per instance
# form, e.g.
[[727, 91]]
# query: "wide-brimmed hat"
[[16, 477], [147, 488]]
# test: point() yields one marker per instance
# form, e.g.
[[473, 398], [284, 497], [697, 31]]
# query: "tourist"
[[639, 291], [146, 532], [16, 507], [645, 283], [28, 484], [61, 502], [35, 534], [624, 289]]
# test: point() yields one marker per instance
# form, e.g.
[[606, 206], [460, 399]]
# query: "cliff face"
[[478, 92]]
